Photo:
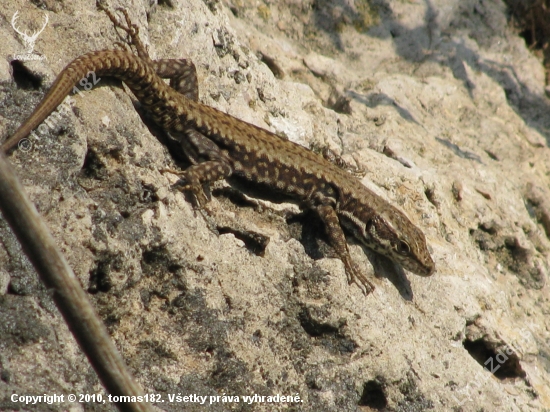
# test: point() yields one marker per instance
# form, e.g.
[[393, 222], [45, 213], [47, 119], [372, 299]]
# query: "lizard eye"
[[402, 248]]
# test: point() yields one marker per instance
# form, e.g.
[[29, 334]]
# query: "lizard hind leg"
[[130, 28], [181, 72], [196, 176], [208, 164]]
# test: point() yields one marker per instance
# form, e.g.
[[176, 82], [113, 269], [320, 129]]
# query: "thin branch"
[[39, 245]]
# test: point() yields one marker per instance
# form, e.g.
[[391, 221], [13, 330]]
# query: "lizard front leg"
[[338, 241]]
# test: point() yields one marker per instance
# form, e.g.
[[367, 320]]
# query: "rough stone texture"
[[439, 102]]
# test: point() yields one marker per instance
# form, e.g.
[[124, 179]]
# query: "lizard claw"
[[184, 185], [355, 276], [131, 28]]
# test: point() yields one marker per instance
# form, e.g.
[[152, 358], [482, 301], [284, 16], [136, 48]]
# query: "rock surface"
[[439, 102]]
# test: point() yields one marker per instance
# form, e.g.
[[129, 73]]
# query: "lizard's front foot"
[[355, 276]]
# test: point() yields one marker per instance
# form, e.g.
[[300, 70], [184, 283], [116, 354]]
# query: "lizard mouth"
[[423, 270]]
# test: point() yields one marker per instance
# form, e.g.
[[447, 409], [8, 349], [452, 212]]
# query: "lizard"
[[220, 146]]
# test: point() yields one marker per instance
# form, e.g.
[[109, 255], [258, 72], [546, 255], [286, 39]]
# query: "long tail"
[[114, 63]]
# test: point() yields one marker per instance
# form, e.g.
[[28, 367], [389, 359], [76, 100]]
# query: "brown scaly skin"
[[219, 146]]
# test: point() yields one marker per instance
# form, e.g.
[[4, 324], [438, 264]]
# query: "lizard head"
[[393, 235]]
